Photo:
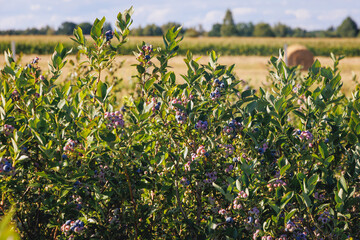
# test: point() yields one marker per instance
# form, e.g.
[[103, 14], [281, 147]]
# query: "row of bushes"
[[203, 159], [199, 49]]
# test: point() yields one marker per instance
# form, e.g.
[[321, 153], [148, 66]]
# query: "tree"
[[165, 27], [66, 28], [191, 32], [228, 27], [348, 28], [107, 26], [152, 30], [263, 30], [298, 32], [86, 27], [245, 29], [282, 30], [215, 31]]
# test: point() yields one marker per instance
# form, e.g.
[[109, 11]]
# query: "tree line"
[[348, 28]]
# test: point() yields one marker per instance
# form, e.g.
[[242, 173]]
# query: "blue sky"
[[307, 14]]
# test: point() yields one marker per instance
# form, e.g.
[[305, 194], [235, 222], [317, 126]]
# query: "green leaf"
[[101, 90], [217, 187], [306, 199], [96, 29], [290, 214], [323, 150], [284, 169], [343, 183], [149, 83]]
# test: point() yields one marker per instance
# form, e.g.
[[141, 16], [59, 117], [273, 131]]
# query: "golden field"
[[253, 69]]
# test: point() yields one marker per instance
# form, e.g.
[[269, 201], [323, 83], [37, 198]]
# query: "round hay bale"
[[299, 55]]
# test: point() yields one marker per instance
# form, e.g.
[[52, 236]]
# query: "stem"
[[133, 201]]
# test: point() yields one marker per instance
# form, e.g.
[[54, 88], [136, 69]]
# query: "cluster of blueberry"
[[109, 35], [229, 149], [77, 200], [15, 95], [144, 56], [8, 129], [305, 136], [232, 128], [210, 177], [70, 145], [229, 169], [72, 226], [201, 152], [215, 94], [276, 184], [218, 83], [35, 60], [185, 181], [262, 149], [5, 165], [201, 125], [114, 120], [325, 217], [180, 115]]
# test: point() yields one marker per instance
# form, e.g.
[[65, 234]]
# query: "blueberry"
[[64, 156], [6, 168], [235, 159], [298, 132], [147, 57], [157, 107], [229, 220], [256, 129], [222, 85], [158, 103], [109, 35], [78, 163], [178, 117], [81, 224], [68, 222], [206, 154], [123, 109], [261, 150], [250, 219], [326, 140]]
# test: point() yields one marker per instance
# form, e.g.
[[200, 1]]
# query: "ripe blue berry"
[[229, 220], [64, 156], [326, 140], [6, 168]]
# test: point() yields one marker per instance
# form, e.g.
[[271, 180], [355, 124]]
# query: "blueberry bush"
[[199, 158]]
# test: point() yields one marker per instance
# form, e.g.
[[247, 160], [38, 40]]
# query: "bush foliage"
[[203, 159]]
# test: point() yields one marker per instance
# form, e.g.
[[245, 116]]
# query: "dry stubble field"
[[253, 69]]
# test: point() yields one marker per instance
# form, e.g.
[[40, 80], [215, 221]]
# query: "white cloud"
[[243, 11], [159, 16], [35, 7], [300, 14], [333, 14]]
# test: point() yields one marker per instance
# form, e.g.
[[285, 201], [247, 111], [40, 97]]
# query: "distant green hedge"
[[196, 48]]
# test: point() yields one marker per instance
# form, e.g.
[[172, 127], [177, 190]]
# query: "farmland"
[[249, 46], [253, 69]]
